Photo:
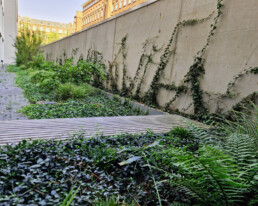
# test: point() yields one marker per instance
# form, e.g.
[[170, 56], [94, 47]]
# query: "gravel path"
[[11, 97]]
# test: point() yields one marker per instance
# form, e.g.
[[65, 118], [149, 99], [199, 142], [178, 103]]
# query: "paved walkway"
[[17, 130], [11, 97]]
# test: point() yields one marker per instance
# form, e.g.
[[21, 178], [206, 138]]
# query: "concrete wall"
[[10, 30], [1, 30], [233, 48]]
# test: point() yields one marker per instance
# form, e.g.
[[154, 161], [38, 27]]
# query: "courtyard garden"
[[200, 166], [187, 166], [56, 91]]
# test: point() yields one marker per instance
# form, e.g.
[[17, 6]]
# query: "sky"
[[62, 11]]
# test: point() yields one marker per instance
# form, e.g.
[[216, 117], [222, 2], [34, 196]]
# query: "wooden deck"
[[17, 130]]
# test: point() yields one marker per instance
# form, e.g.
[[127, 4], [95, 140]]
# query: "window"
[[47, 30], [130, 1], [125, 2], [121, 3], [41, 28], [54, 30], [34, 28], [60, 31], [116, 5], [21, 25]]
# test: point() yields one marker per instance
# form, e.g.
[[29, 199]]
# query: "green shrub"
[[64, 91], [27, 45], [83, 72], [38, 62], [71, 91], [34, 92]]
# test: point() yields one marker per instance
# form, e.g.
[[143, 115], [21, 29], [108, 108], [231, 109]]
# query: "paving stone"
[[11, 97]]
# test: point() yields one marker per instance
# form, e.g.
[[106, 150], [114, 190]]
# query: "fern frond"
[[209, 171], [204, 136]]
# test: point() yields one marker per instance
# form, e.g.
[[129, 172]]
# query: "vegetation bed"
[[183, 167], [74, 96]]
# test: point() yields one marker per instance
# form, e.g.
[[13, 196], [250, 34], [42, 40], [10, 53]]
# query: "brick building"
[[46, 26], [95, 11]]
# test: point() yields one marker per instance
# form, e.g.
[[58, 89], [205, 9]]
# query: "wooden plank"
[[17, 130]]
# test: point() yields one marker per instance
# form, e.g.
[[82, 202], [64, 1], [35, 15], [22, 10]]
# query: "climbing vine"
[[124, 90], [231, 84], [151, 95], [191, 82]]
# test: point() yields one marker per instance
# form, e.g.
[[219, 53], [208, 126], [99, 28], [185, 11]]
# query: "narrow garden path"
[[11, 97]]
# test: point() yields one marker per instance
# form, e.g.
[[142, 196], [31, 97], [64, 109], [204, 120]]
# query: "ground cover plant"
[[92, 106], [68, 85], [191, 166]]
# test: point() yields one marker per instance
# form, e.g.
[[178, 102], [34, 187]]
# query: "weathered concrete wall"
[[1, 30], [233, 48], [10, 29]]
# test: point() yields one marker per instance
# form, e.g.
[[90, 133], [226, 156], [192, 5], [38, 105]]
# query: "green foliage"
[[191, 166], [72, 91], [12, 68], [67, 84], [45, 172], [113, 201], [97, 105], [27, 45], [222, 167], [50, 37], [38, 62], [208, 171], [83, 72], [70, 197], [34, 91]]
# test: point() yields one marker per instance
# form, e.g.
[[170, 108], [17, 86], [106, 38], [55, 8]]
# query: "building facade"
[[95, 11], [78, 21], [119, 6], [46, 26], [8, 30]]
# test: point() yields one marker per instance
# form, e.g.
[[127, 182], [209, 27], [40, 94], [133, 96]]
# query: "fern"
[[204, 136], [208, 176], [245, 123]]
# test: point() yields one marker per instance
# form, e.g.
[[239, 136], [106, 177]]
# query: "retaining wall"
[[233, 48]]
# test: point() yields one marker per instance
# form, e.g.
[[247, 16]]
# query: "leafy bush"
[[27, 45], [34, 92], [38, 62], [83, 72]]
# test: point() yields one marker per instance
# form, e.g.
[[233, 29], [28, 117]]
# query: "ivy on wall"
[[191, 83]]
